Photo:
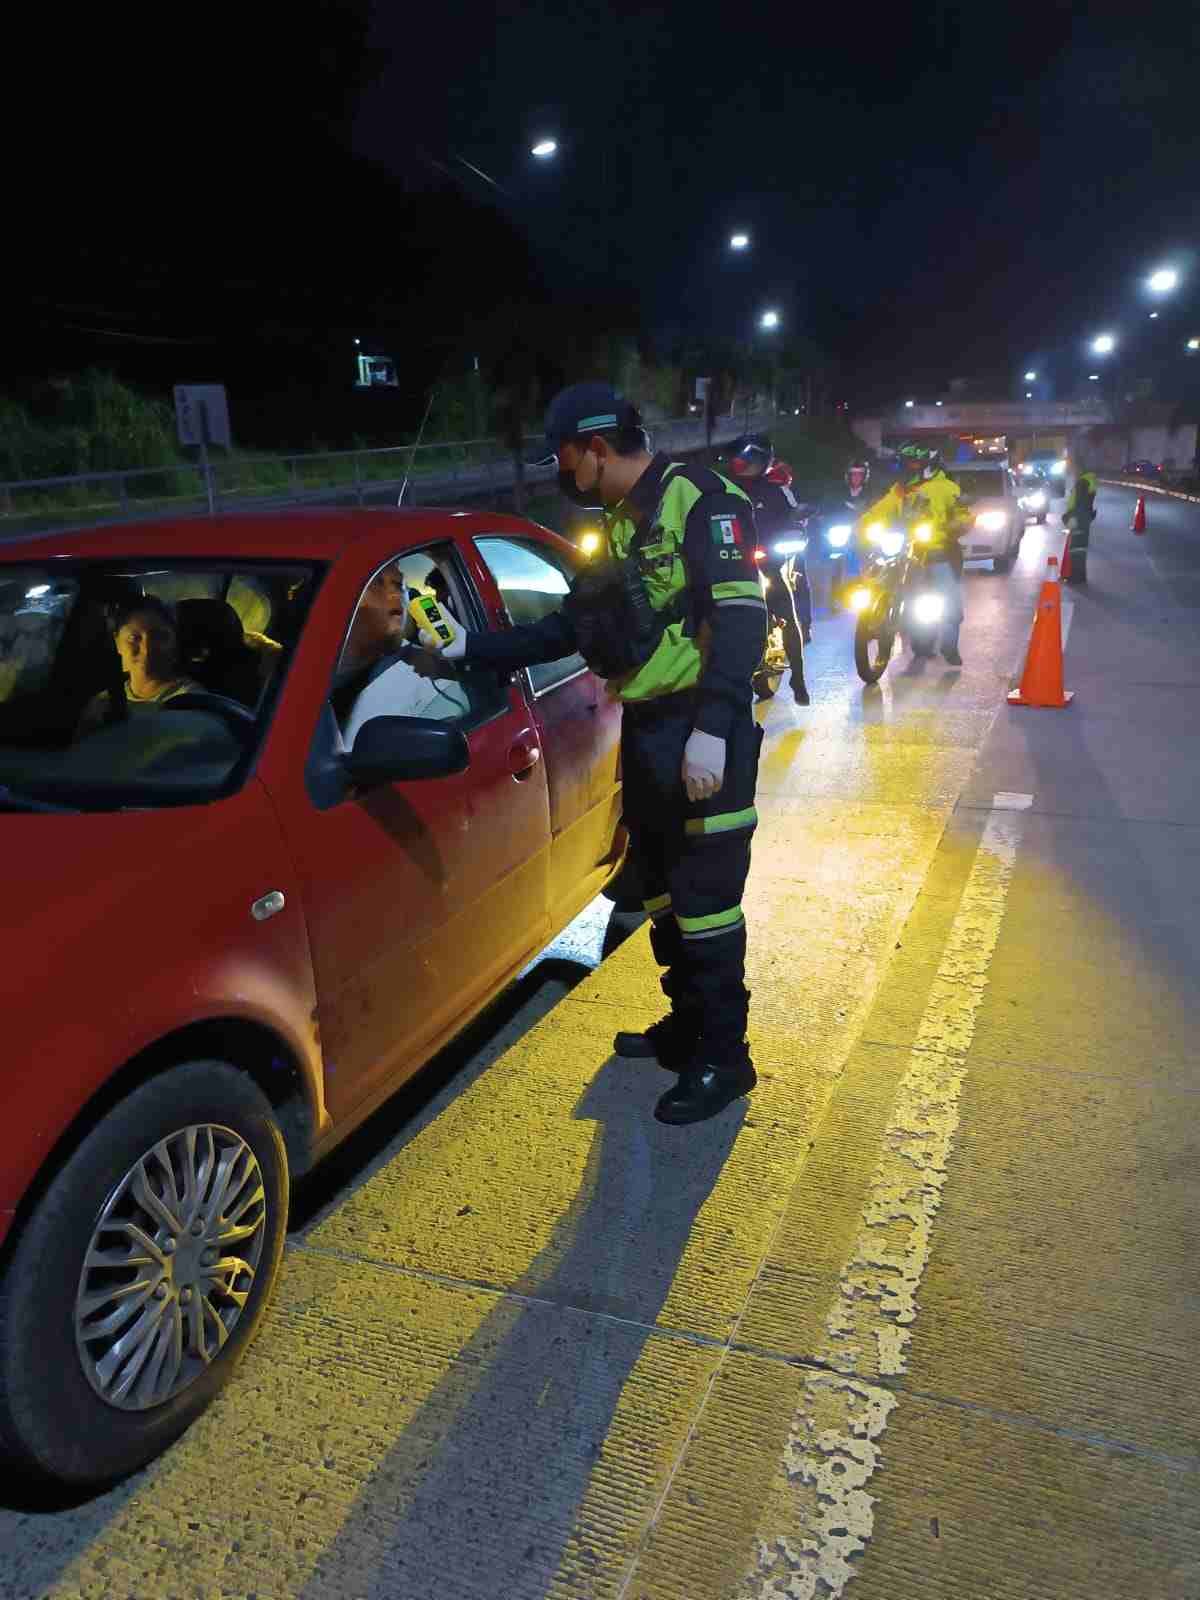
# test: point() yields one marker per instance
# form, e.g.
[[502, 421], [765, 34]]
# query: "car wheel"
[[141, 1275], [1002, 563]]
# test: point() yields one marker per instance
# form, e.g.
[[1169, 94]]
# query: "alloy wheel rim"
[[170, 1266]]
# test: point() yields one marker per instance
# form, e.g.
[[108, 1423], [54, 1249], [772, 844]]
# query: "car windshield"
[[139, 683], [987, 484]]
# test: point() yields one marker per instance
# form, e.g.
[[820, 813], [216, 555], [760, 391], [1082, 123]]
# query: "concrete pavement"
[[915, 1320]]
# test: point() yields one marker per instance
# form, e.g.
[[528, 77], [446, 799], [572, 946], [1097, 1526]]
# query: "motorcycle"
[[895, 595], [791, 546], [841, 549]]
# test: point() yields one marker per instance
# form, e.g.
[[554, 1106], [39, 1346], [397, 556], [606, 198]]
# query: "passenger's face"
[[145, 645], [382, 617]]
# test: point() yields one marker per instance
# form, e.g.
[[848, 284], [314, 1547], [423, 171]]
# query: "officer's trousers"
[[691, 859], [1081, 532]]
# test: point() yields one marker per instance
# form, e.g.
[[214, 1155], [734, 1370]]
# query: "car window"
[[986, 485], [382, 672], [135, 684], [533, 580]]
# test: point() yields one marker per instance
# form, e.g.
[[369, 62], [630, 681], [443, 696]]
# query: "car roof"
[[296, 533]]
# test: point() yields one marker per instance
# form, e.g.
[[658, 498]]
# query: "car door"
[[579, 723], [421, 897]]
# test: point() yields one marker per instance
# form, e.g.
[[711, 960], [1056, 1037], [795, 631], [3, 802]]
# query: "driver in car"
[[381, 674], [147, 642]]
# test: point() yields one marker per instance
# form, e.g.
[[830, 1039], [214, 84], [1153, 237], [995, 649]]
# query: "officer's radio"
[[428, 615]]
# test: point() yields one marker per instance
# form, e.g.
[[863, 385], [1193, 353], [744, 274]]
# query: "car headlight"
[[1036, 500], [929, 608], [1027, 470], [923, 532], [860, 599], [839, 536], [1059, 467], [789, 547], [891, 542], [991, 521]]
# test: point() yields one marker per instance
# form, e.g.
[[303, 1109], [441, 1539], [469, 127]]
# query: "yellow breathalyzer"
[[427, 614]]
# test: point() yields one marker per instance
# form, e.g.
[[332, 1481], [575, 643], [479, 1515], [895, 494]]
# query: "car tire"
[[1002, 563], [150, 1163]]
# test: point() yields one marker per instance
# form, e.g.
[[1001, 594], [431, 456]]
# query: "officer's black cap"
[[583, 409]]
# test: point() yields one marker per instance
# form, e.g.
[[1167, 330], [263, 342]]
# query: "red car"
[[260, 862]]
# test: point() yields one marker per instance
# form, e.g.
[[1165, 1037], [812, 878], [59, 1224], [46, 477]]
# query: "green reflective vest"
[[679, 658]]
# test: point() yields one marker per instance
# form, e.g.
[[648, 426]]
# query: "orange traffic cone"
[[1138, 525], [1065, 565], [1042, 679]]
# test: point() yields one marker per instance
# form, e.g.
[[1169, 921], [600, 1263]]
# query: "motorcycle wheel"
[[766, 684], [924, 645], [872, 648]]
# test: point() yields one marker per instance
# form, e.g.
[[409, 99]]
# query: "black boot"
[[671, 1041], [704, 1091]]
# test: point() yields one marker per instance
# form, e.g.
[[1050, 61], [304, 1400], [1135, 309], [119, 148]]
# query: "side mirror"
[[401, 749]]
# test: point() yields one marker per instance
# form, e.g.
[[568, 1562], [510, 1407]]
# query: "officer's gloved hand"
[[703, 765], [454, 651]]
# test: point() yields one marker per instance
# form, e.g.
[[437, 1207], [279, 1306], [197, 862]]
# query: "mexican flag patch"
[[726, 530]]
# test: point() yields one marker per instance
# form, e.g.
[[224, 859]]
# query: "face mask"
[[577, 496]]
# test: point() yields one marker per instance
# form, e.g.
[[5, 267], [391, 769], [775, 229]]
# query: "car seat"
[[213, 650]]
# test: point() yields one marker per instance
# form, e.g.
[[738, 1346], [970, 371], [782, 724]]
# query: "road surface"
[[917, 1320]]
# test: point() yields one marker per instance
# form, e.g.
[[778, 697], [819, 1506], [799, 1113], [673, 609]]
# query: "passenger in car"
[[379, 675], [147, 642]]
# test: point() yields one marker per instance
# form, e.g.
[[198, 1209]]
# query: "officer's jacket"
[[692, 532], [1082, 501], [932, 499]]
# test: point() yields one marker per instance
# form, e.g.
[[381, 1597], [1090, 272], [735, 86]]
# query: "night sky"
[[934, 191]]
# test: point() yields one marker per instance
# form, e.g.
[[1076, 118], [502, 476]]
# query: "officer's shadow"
[[490, 1474]]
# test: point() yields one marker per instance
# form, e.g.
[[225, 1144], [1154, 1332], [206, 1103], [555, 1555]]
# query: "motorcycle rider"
[[779, 472], [925, 494], [776, 514]]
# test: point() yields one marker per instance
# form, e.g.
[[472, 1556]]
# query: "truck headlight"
[[991, 521], [839, 536], [929, 608]]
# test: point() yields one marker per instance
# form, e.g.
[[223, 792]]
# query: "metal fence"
[[435, 473]]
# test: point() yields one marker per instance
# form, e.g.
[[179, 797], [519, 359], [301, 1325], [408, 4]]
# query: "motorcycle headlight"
[[923, 532], [891, 542], [991, 521], [589, 542], [839, 535], [789, 547], [860, 599], [929, 608]]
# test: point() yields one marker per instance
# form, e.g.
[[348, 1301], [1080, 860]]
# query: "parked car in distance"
[[263, 858]]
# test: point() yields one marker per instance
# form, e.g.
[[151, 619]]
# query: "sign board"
[[202, 414], [702, 388]]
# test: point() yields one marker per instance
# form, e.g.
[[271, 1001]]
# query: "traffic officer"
[[1078, 515], [926, 499], [671, 613], [776, 515]]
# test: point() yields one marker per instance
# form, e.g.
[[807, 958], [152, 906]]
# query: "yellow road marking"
[[833, 1448]]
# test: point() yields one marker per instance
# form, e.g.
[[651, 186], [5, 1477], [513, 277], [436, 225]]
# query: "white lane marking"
[[1066, 613], [1006, 800], [833, 1449]]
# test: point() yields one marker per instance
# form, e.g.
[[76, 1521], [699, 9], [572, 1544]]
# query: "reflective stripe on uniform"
[[723, 822], [712, 926], [740, 589], [757, 605], [656, 906]]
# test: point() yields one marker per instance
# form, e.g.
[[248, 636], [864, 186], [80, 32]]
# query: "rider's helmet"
[[858, 475], [918, 463], [751, 455]]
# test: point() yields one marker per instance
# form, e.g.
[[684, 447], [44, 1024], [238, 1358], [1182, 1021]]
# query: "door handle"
[[523, 755]]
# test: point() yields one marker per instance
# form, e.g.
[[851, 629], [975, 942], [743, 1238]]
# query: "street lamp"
[[769, 319], [545, 148], [1031, 377], [1193, 344], [739, 241], [1104, 344], [909, 404], [1093, 377], [1029, 394], [1163, 281]]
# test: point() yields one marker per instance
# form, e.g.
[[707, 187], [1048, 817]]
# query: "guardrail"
[[1143, 487], [434, 473]]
